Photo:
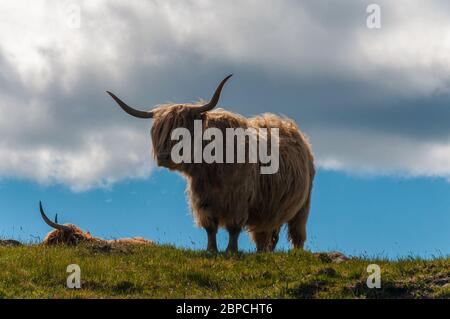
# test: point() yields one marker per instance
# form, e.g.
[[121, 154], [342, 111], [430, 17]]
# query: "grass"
[[36, 271]]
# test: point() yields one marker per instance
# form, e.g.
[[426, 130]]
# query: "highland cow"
[[72, 235], [236, 196], [10, 242]]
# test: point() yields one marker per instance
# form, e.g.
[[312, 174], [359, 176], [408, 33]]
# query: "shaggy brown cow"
[[10, 242], [72, 235], [236, 196]]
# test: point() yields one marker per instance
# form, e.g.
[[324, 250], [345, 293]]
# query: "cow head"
[[166, 118], [63, 234]]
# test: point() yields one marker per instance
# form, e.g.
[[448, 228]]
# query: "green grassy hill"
[[168, 272]]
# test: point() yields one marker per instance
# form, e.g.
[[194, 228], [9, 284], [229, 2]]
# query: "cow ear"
[[195, 115]]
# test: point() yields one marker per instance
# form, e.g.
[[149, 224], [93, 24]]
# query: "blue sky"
[[389, 216], [374, 102]]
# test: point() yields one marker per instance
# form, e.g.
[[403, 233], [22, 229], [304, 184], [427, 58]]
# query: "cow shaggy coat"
[[236, 196]]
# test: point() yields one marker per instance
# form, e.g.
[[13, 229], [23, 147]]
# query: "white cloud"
[[413, 44], [58, 126], [374, 153], [99, 162]]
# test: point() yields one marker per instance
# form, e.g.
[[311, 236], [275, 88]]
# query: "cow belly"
[[275, 209]]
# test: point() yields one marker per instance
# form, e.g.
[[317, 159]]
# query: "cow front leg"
[[233, 233], [211, 230]]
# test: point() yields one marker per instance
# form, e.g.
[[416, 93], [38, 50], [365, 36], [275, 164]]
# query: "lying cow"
[[70, 234]]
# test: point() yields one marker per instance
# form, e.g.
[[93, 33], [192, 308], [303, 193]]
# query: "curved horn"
[[130, 110], [49, 222], [215, 99]]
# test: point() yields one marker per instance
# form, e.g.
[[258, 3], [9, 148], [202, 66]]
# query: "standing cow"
[[237, 196]]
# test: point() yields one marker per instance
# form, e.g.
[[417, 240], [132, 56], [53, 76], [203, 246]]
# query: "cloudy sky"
[[375, 102]]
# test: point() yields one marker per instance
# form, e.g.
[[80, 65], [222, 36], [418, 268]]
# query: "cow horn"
[[215, 99], [49, 222], [130, 110]]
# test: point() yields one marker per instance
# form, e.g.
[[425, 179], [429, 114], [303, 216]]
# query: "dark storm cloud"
[[369, 99]]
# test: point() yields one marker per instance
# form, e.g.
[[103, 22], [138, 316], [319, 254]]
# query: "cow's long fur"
[[72, 236], [236, 196]]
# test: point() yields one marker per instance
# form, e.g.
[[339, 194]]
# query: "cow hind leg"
[[262, 240], [274, 238], [297, 226], [265, 240]]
